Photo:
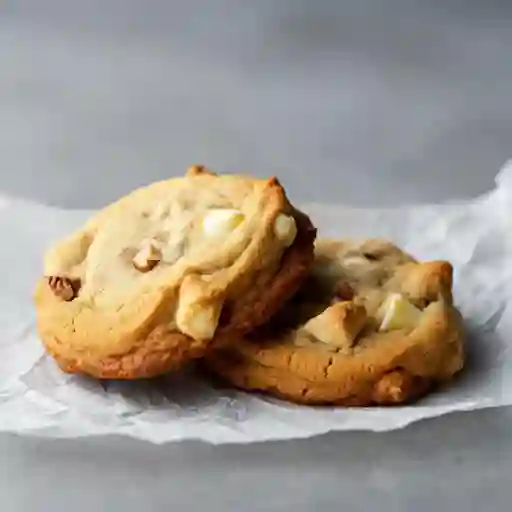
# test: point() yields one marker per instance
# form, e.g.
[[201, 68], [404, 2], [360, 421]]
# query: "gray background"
[[363, 102]]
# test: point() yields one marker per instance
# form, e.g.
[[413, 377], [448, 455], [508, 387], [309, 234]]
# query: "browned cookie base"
[[395, 388]]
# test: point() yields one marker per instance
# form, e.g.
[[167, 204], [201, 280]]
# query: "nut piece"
[[397, 312], [338, 325], [343, 291], [197, 316], [285, 229], [64, 287], [196, 170], [147, 258], [221, 221]]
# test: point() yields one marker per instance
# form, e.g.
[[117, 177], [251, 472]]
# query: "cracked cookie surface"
[[169, 271], [370, 326]]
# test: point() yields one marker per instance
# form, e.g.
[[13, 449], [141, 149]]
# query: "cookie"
[[371, 326], [169, 271]]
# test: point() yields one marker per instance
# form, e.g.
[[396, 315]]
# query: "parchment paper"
[[37, 399]]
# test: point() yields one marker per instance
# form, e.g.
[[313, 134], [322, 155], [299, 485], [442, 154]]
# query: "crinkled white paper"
[[37, 399]]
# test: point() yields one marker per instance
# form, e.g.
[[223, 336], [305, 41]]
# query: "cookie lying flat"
[[170, 270], [370, 326]]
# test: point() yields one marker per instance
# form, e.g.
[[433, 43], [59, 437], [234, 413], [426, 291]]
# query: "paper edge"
[[57, 433]]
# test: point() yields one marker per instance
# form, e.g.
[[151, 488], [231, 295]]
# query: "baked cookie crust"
[[371, 326]]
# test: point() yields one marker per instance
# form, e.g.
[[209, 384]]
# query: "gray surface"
[[366, 102]]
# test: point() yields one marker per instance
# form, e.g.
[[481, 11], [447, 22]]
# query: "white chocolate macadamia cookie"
[[170, 270]]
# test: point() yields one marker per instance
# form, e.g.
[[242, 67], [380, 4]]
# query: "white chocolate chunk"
[[285, 229], [338, 325], [397, 312], [148, 257], [221, 221], [199, 323], [195, 316]]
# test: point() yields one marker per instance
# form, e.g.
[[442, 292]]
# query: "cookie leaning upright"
[[371, 325], [169, 271]]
